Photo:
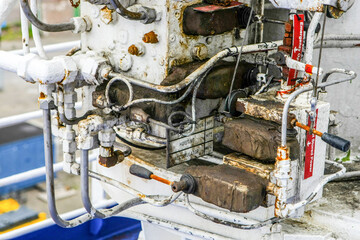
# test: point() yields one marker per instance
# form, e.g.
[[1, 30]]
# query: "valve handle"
[[140, 171], [336, 142]]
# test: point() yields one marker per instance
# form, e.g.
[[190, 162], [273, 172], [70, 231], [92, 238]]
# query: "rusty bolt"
[[106, 15], [115, 158], [150, 37], [136, 49], [200, 52]]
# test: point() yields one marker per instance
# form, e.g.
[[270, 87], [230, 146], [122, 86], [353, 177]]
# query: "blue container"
[[97, 229], [21, 150]]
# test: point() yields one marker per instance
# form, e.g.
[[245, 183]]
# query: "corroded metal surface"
[[228, 187], [244, 162], [254, 137], [270, 110]]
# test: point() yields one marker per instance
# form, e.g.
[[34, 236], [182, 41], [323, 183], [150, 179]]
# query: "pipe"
[[310, 38], [202, 69], [348, 176], [33, 68], [177, 227], [155, 200], [220, 213], [50, 179], [48, 222], [24, 32], [227, 223], [34, 173], [339, 44], [52, 47], [36, 32], [121, 10], [324, 181], [103, 213], [41, 25], [125, 149], [16, 119], [342, 37]]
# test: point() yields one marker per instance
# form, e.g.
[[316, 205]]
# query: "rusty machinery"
[[188, 94]]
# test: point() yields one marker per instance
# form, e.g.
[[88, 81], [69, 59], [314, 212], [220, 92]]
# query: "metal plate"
[[184, 148]]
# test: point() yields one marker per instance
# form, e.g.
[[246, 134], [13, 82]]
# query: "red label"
[[310, 151], [297, 45]]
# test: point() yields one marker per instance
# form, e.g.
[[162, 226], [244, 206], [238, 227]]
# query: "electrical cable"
[[41, 25], [138, 146], [239, 55]]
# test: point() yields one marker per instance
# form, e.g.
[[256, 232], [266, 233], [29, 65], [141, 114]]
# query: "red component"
[[310, 151], [309, 68], [213, 8], [297, 45]]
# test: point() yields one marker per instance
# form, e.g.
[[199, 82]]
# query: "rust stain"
[[244, 162], [75, 4], [42, 96], [106, 15], [150, 37], [133, 50]]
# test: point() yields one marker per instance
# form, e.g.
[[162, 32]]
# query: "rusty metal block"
[[242, 161], [209, 23], [228, 187], [254, 137], [266, 109]]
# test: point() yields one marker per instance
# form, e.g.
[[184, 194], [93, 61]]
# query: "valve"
[[332, 140]]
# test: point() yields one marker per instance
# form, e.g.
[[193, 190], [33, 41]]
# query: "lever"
[[332, 140], [142, 172]]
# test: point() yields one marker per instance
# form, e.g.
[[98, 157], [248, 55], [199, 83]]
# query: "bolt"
[[150, 37]]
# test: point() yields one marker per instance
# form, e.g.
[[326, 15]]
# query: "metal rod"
[[50, 179], [52, 47], [320, 55], [102, 213]]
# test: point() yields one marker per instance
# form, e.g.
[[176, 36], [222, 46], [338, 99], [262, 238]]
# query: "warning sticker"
[[310, 151]]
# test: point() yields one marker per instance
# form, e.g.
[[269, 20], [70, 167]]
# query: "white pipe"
[[36, 32], [24, 32], [16, 119], [34, 69], [179, 228], [37, 172], [342, 37], [48, 222], [293, 64], [311, 38], [5, 8], [65, 46], [13, 120]]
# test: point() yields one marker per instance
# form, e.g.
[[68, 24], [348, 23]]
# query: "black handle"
[[140, 171], [336, 142]]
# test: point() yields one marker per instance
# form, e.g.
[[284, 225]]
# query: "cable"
[[121, 10], [138, 146], [239, 55], [227, 223], [41, 25]]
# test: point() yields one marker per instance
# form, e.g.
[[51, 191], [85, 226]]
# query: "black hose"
[[121, 10], [138, 146], [41, 25]]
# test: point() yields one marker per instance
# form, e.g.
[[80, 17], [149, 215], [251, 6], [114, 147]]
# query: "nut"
[[150, 37], [106, 15]]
